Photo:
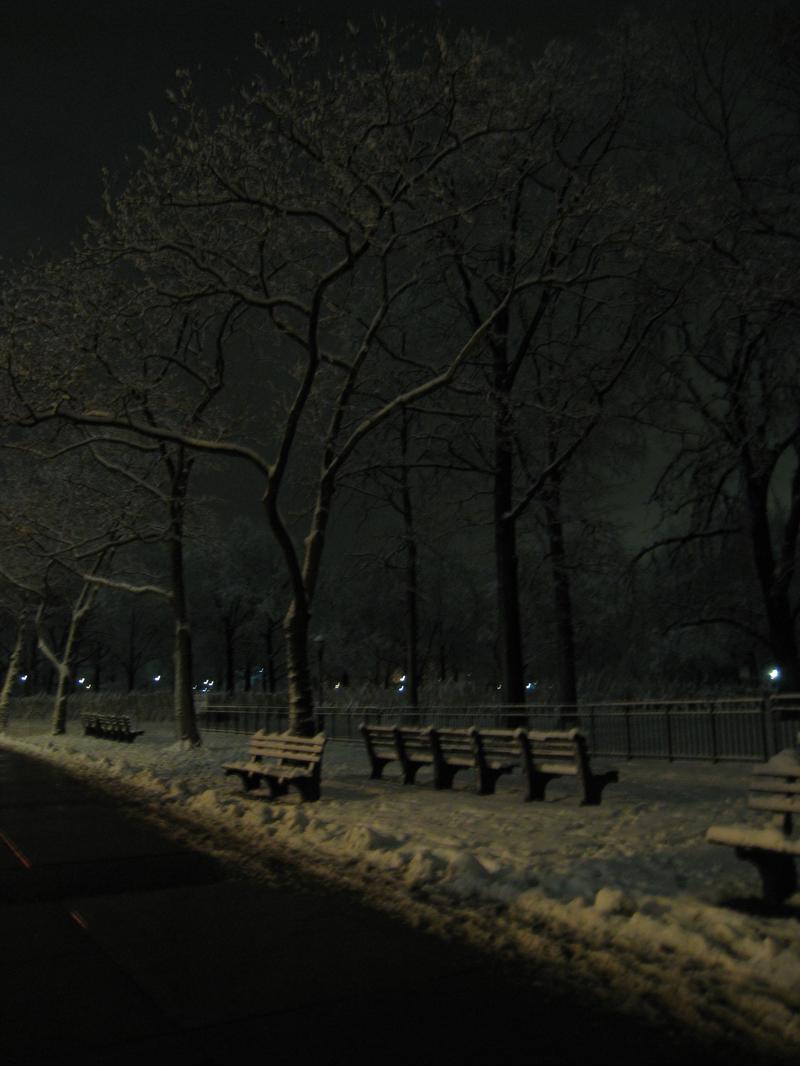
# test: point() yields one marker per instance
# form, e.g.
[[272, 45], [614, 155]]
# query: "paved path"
[[118, 946]]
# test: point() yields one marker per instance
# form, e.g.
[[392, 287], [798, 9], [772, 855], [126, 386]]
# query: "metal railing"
[[729, 729]]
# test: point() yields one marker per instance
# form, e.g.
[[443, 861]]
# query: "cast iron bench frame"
[[775, 788], [280, 760]]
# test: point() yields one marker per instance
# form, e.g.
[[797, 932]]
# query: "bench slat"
[[769, 785], [788, 804], [745, 836]]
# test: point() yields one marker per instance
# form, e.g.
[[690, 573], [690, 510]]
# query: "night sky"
[[80, 76]]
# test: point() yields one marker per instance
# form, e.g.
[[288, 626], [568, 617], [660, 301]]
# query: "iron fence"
[[740, 729]]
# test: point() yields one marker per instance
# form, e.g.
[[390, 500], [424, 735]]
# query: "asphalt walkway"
[[119, 946]]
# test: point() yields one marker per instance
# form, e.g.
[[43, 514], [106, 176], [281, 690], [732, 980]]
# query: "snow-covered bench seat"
[[775, 789], [109, 726], [280, 760]]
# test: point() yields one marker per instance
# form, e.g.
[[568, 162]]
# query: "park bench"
[[280, 760], [775, 789], [491, 752], [109, 726], [408, 745], [560, 753], [446, 750]]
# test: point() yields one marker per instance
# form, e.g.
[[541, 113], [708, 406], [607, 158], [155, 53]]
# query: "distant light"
[[81, 680], [530, 686], [88, 686], [260, 670], [499, 686], [403, 677], [338, 684], [402, 688], [774, 673], [156, 677], [23, 677]]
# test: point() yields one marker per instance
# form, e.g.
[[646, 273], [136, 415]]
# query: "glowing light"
[[774, 673], [23, 677], [156, 677], [81, 680]]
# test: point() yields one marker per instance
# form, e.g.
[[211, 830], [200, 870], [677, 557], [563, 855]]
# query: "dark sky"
[[79, 77]]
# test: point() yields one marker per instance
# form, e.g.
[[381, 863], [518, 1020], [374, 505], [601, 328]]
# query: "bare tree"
[[309, 213]]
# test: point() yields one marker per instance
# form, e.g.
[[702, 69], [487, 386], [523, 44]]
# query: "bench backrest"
[[287, 748], [415, 740], [453, 742], [775, 787], [381, 736]]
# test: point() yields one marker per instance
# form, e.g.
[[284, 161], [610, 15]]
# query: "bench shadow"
[[754, 906]]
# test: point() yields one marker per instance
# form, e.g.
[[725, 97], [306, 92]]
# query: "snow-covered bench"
[[109, 726], [445, 750], [542, 755], [774, 788], [281, 760], [560, 753]]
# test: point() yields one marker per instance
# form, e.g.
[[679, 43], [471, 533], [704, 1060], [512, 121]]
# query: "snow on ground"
[[627, 897]]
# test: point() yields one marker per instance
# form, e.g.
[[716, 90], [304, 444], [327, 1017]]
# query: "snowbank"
[[628, 895]]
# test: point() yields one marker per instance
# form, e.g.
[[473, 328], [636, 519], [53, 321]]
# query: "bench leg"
[[443, 776], [377, 768], [536, 784], [308, 788], [778, 873], [276, 787], [593, 791], [487, 779], [409, 771]]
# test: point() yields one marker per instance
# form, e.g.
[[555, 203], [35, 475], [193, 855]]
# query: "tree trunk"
[[130, 663], [269, 674], [505, 542], [230, 663], [183, 678], [11, 675], [64, 679], [298, 676], [409, 536], [562, 597], [98, 667], [774, 586]]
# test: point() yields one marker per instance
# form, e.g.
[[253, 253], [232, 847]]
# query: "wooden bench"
[[560, 753], [280, 760], [109, 726], [446, 750], [491, 752], [775, 789], [408, 745]]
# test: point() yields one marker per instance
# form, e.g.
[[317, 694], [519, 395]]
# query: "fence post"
[[592, 731], [765, 706], [627, 713], [712, 723], [668, 727]]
